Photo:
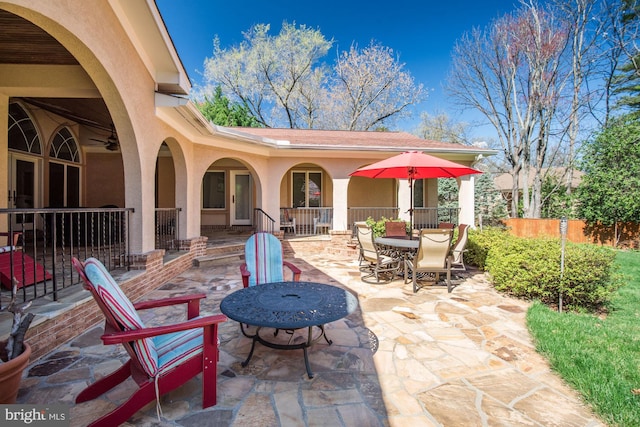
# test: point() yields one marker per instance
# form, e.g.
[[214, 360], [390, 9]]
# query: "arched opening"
[[306, 200], [229, 197], [167, 220]]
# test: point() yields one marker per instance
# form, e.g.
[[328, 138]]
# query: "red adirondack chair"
[[161, 358]]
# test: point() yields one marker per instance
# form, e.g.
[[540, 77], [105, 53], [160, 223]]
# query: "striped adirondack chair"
[[264, 262], [160, 358]]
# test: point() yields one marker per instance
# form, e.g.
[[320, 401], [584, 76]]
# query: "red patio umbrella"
[[413, 165]]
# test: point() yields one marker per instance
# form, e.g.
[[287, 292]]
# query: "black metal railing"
[[167, 228], [431, 217], [262, 221], [49, 238]]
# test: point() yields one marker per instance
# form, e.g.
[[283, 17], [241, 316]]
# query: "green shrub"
[[479, 243], [530, 268]]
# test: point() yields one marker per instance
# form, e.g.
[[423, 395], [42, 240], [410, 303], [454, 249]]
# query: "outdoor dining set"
[[396, 254]]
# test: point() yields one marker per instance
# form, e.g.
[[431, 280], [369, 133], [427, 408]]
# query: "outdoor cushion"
[[123, 311], [177, 347]]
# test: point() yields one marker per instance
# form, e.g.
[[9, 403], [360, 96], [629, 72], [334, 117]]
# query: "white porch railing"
[[308, 221]]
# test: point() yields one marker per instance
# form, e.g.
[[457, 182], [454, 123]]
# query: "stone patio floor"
[[402, 359]]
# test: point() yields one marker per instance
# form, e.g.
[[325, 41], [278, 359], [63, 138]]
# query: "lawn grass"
[[599, 357]]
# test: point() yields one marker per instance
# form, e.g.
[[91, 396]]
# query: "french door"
[[241, 205], [24, 187]]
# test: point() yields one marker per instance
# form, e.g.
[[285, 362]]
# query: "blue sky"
[[422, 32]]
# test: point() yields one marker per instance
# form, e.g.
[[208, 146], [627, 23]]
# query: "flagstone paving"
[[402, 359]]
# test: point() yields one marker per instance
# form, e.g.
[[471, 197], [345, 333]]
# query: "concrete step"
[[218, 258], [225, 249]]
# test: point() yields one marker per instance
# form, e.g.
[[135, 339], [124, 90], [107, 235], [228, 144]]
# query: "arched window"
[[64, 178], [22, 132], [64, 147]]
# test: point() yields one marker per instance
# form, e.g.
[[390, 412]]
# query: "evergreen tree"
[[626, 82], [610, 190], [222, 112]]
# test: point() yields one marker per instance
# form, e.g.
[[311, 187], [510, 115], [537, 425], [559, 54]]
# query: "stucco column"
[[466, 199], [340, 214], [188, 192], [139, 189], [268, 196]]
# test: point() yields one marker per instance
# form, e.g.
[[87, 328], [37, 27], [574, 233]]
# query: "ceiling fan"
[[111, 143]]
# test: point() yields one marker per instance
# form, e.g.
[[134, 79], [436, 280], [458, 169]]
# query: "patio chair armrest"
[[138, 334], [295, 270], [192, 301], [245, 275]]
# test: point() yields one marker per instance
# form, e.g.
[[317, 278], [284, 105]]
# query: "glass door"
[[23, 189], [64, 185], [240, 198]]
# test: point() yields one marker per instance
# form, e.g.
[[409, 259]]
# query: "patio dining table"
[[288, 306], [403, 248]]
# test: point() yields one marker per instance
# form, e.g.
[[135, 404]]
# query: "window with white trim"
[[64, 170], [23, 135], [306, 189]]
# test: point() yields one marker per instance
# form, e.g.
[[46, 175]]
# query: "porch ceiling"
[[23, 43]]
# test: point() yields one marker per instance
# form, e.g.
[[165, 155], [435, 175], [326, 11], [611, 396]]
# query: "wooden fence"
[[577, 231]]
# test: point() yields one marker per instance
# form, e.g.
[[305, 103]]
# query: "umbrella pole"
[[410, 207]]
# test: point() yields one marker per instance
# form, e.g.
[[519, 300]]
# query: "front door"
[[23, 188], [240, 198]]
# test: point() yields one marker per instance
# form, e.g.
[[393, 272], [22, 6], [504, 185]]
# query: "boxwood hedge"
[[530, 268]]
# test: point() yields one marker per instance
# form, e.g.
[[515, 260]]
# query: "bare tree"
[[369, 88], [283, 83], [440, 127], [544, 41], [512, 74], [278, 78], [584, 59], [481, 79]]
